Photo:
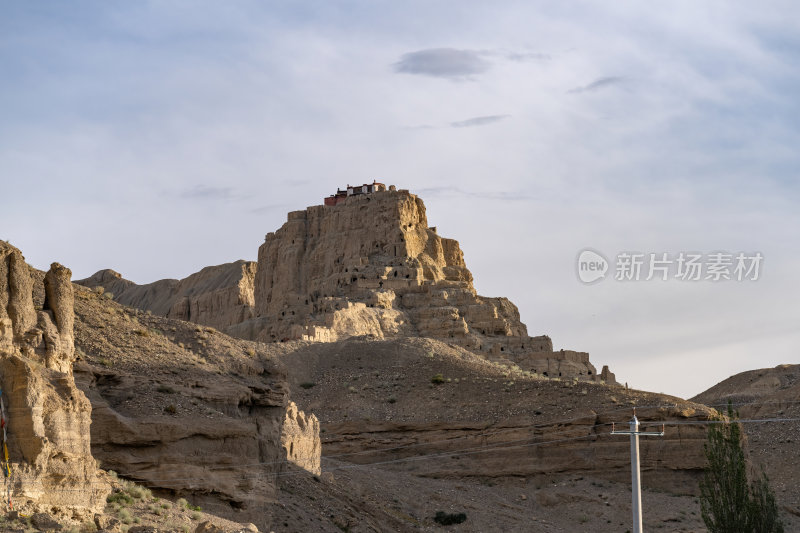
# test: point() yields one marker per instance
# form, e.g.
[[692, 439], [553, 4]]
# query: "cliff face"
[[51, 465], [188, 409], [217, 296], [371, 266], [369, 242]]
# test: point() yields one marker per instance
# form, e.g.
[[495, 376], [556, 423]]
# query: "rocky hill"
[[369, 265], [217, 296], [764, 386]]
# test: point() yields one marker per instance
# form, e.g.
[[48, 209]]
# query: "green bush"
[[125, 516], [727, 501], [437, 379], [140, 493], [122, 498]]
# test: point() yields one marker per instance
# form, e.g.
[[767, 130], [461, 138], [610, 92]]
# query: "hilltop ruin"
[[365, 263]]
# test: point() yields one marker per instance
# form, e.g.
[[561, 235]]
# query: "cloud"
[[442, 63], [527, 56], [207, 192], [478, 121], [599, 83]]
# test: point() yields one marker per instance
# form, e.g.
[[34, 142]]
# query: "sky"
[[156, 138]]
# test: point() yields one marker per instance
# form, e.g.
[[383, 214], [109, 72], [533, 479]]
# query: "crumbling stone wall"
[[300, 439]]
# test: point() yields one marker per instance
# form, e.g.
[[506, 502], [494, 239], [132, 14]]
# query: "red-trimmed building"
[[353, 190]]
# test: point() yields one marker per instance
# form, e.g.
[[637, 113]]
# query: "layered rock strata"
[[189, 410], [481, 419], [50, 462]]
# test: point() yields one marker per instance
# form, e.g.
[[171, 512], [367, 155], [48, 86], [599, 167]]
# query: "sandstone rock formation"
[[370, 265], [217, 296], [51, 466], [300, 439]]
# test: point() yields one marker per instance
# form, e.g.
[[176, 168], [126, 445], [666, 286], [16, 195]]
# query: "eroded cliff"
[[368, 266], [371, 265], [189, 410], [48, 419]]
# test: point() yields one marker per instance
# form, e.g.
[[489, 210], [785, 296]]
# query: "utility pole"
[[636, 482]]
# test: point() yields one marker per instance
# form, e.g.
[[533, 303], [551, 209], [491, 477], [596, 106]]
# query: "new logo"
[[592, 266]]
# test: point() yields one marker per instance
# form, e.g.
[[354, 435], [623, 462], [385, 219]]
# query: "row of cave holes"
[[283, 313], [376, 277]]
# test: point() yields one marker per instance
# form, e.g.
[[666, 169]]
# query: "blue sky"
[[156, 138]]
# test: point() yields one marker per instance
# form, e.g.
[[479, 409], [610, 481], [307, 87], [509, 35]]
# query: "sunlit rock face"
[[49, 419]]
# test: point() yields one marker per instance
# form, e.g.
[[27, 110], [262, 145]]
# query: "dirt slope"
[[512, 452]]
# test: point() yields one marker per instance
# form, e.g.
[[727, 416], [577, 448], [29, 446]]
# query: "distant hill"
[[763, 386], [217, 296]]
